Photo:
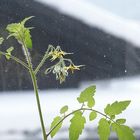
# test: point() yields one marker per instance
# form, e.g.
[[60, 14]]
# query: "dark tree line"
[[104, 55]]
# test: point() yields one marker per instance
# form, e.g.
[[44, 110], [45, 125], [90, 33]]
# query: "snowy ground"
[[18, 111]]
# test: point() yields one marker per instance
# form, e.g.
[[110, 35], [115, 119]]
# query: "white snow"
[[98, 17], [18, 111]]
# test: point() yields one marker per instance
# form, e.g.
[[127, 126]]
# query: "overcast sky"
[[125, 8]]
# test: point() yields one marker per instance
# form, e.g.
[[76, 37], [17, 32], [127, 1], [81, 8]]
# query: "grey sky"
[[125, 8]]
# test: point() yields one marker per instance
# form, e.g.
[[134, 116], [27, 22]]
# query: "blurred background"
[[103, 35]]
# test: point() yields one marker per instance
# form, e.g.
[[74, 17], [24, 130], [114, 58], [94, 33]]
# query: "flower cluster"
[[60, 69]]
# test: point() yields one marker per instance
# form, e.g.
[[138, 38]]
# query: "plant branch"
[[43, 60], [15, 59], [83, 109]]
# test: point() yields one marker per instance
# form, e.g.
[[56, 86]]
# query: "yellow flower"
[[57, 53], [73, 67]]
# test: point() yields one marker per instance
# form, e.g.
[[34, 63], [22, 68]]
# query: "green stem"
[[41, 63], [38, 104], [83, 109], [15, 59], [43, 59], [34, 81]]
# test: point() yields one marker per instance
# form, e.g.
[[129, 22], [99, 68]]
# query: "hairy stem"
[[43, 60], [15, 59], [41, 63], [34, 81], [81, 109], [38, 104]]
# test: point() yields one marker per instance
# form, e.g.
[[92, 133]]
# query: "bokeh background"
[[103, 35]]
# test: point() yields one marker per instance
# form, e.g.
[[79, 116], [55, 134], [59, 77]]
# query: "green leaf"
[[103, 129], [91, 102], [64, 109], [87, 96], [1, 40], [120, 121], [26, 19], [20, 32], [123, 132], [116, 107], [112, 117], [77, 125], [9, 51], [92, 116], [13, 27], [54, 123], [28, 40]]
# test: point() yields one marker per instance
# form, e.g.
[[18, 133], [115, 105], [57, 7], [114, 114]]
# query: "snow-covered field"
[[18, 110]]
